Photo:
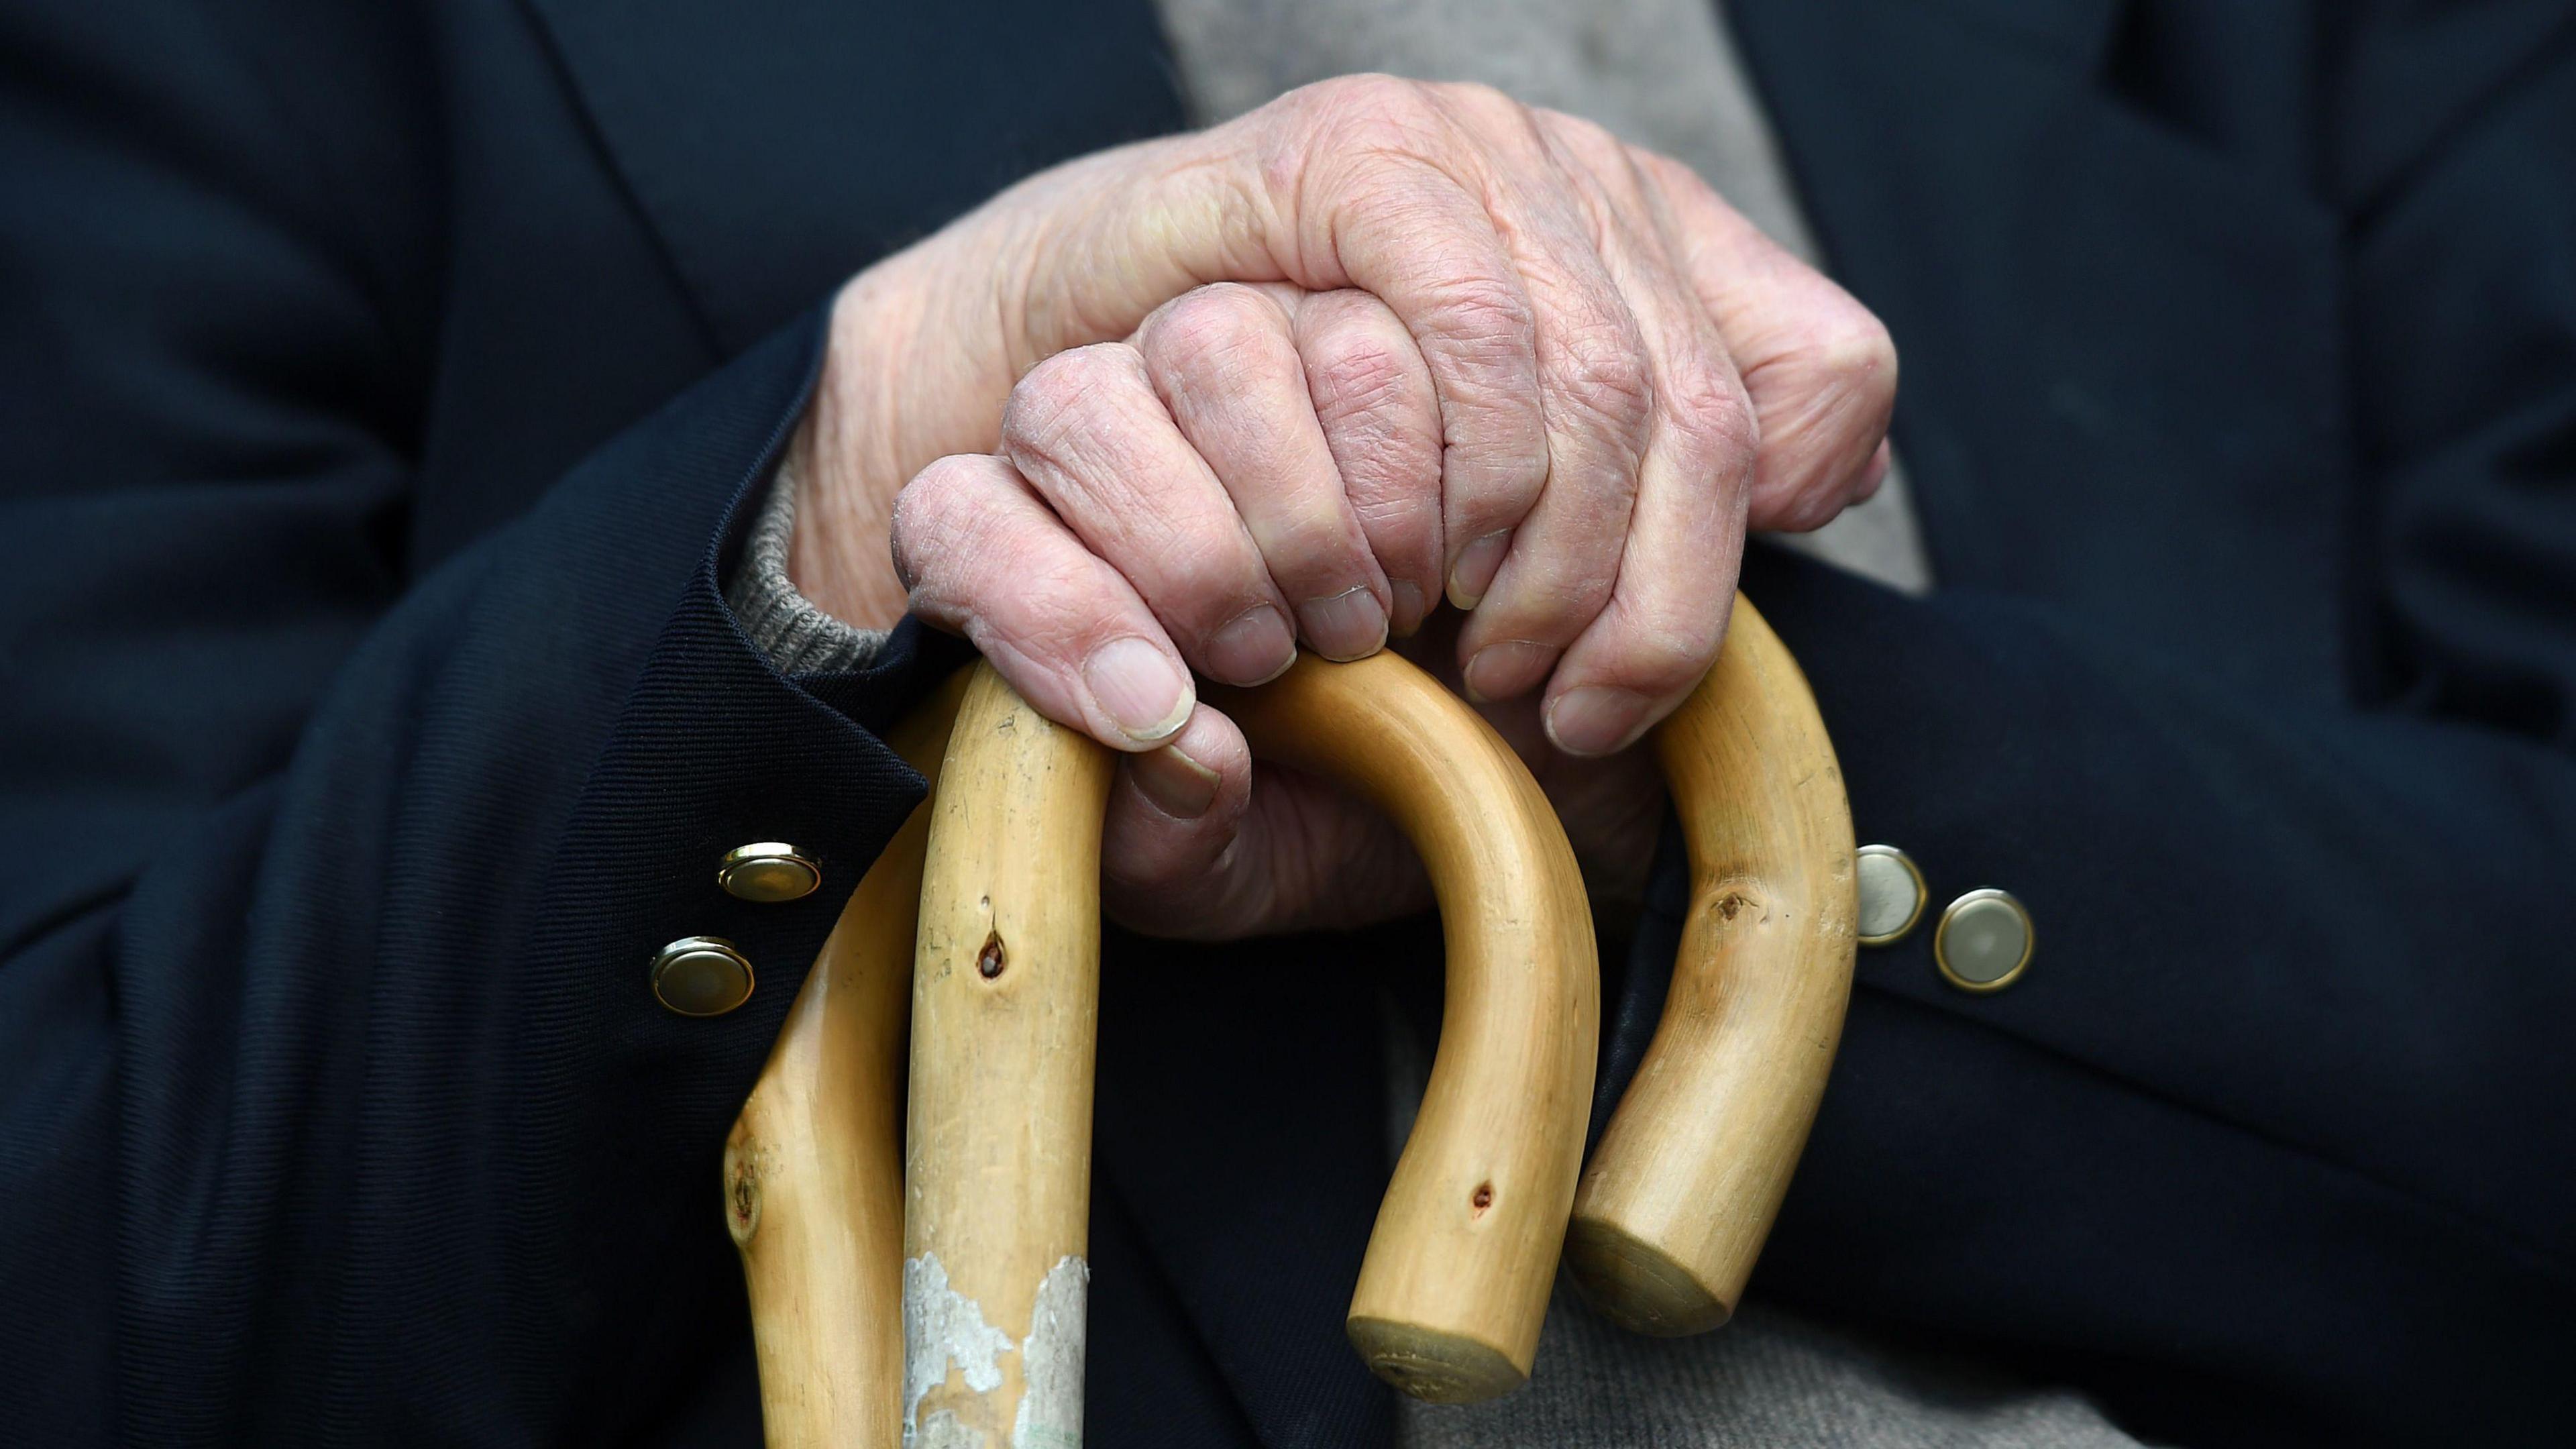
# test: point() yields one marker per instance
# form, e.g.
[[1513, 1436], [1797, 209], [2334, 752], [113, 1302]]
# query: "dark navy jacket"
[[380, 386]]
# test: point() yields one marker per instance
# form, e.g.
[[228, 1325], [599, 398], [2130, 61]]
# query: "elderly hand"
[[1521, 364]]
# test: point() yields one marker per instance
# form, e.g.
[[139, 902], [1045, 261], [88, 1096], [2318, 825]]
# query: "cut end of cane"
[[1637, 1285], [1434, 1366]]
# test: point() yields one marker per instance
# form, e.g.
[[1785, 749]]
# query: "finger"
[[1224, 361], [1365, 182], [1699, 440], [1288, 854], [1361, 181], [985, 557], [1381, 418], [1088, 432], [1551, 574], [1410, 223], [1661, 630], [1169, 861], [1819, 366], [1393, 196]]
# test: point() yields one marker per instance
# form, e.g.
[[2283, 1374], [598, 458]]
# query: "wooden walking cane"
[[997, 1167], [1456, 1277], [1681, 1190], [1457, 1272], [813, 1170]]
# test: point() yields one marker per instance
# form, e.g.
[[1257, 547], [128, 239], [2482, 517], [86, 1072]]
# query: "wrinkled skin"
[[1296, 379]]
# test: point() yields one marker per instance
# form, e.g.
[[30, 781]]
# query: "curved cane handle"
[[1450, 1298], [1455, 1284], [813, 1170], [1680, 1193]]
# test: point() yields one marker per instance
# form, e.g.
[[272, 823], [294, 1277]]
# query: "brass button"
[[701, 976], [1892, 895], [768, 871], [1984, 941]]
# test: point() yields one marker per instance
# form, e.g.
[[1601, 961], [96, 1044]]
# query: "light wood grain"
[[1456, 1279], [813, 1168], [994, 1218], [1005, 1001], [1681, 1190]]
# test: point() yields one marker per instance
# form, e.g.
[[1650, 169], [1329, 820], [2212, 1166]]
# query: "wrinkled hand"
[[1520, 363]]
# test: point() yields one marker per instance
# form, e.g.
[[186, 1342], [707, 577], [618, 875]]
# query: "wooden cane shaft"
[[813, 1167], [1006, 992], [1681, 1191], [1456, 1279]]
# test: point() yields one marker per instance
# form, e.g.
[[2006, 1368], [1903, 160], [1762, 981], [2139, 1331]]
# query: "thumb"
[[1199, 846]]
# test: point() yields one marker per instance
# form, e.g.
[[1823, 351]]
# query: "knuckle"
[[1403, 525], [1310, 541], [1555, 609], [1490, 306], [1850, 350], [1484, 321], [1712, 418], [1603, 373], [1827, 402], [1588, 141], [1484, 106], [1354, 373], [1200, 578], [1208, 329], [1047, 632], [934, 488], [1388, 470], [928, 512], [1581, 594], [1368, 112], [1671, 643], [1053, 604], [1056, 403]]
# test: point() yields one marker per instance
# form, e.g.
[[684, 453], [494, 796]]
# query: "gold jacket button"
[[768, 871], [1984, 941], [701, 976], [1892, 895]]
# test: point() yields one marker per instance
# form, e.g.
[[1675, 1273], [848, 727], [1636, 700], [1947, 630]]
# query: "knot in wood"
[[1739, 903], [990, 961], [742, 1199]]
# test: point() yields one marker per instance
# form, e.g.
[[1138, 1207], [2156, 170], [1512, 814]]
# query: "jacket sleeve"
[[2284, 1105], [334, 1104]]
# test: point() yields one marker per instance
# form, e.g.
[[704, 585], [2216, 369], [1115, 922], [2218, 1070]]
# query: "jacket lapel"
[[778, 146], [2065, 273]]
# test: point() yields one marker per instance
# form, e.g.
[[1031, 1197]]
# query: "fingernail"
[[1409, 612], [1143, 692], [1477, 564], [1346, 626], [1594, 721], [1178, 785], [1499, 671], [1255, 649]]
